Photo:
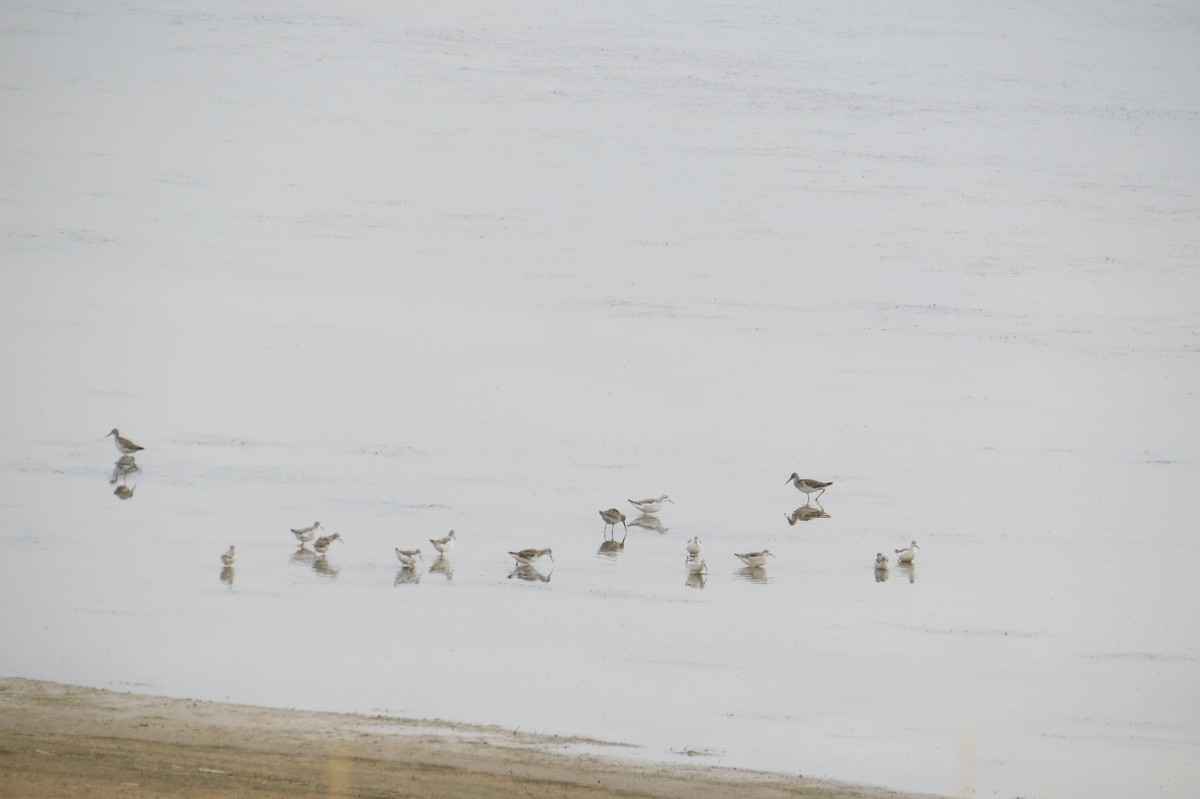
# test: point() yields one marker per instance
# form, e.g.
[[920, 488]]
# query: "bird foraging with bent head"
[[526, 557]]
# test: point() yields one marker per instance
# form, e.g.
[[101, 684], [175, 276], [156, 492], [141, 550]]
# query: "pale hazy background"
[[494, 267]]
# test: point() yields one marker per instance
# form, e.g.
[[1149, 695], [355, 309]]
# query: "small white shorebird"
[[611, 517], [408, 556], [229, 556], [526, 557], [755, 558], [124, 445], [908, 554], [696, 565], [444, 544], [881, 562], [807, 486], [651, 505], [693, 546], [306, 534], [321, 545]]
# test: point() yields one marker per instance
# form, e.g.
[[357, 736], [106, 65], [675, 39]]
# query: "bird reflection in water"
[[909, 569], [530, 573], [649, 522], [806, 513], [752, 574], [882, 575], [303, 556], [124, 492], [407, 575], [696, 579], [227, 576], [443, 566], [324, 568], [125, 466], [610, 548]]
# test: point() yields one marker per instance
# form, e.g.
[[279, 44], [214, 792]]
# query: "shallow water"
[[404, 272]]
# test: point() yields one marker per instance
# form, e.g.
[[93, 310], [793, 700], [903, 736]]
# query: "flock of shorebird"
[[526, 558]]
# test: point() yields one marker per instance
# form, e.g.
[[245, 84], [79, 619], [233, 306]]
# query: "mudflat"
[[66, 741]]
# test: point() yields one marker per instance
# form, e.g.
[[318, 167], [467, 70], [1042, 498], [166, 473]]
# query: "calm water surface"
[[404, 272]]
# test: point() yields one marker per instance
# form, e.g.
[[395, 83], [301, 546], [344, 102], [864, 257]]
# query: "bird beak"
[[670, 500], [551, 554], [626, 526], [785, 482]]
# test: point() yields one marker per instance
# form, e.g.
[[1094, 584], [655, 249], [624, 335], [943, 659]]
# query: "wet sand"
[[65, 741]]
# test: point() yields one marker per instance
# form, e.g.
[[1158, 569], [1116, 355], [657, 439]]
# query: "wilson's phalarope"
[[693, 546], [306, 534], [754, 558], [443, 544], [908, 554], [124, 445], [807, 485], [229, 556], [321, 545], [696, 565], [611, 517], [650, 505], [408, 556], [526, 557], [881, 562]]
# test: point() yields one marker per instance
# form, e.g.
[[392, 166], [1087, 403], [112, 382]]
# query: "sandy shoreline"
[[66, 741]]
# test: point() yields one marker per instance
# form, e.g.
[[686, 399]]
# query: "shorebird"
[[696, 565], [754, 558], [651, 505], [881, 562], [526, 557], [322, 543], [306, 534], [807, 485], [444, 544], [611, 517], [908, 554], [229, 556], [408, 556], [124, 445], [693, 546]]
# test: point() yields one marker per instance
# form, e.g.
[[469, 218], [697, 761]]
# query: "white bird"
[[754, 558], [229, 556], [306, 534], [696, 565], [443, 544], [651, 505], [124, 445], [693, 546], [408, 556], [908, 554], [881, 562], [526, 557], [807, 485]]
